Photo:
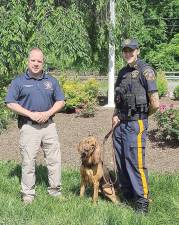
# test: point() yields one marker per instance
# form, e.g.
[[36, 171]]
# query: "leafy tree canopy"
[[74, 33]]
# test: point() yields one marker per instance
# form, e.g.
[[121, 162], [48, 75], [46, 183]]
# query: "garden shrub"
[[168, 121], [162, 83], [5, 113], [80, 95], [176, 92]]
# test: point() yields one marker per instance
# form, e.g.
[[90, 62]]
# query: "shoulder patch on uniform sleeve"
[[149, 74]]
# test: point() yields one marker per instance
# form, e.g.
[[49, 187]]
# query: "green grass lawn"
[[46, 210]]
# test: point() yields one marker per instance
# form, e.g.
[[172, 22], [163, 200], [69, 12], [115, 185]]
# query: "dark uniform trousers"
[[129, 140]]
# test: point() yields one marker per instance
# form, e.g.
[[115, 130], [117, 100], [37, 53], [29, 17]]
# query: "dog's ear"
[[96, 157]]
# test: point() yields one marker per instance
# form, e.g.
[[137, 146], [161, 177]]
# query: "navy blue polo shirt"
[[36, 95]]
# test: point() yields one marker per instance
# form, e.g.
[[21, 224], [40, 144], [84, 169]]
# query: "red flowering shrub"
[[168, 121]]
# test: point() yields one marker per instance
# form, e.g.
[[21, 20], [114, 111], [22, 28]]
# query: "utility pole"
[[111, 56]]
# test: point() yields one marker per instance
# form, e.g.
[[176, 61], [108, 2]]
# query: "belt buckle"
[[31, 122]]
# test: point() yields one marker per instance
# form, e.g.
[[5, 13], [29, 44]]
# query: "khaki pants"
[[31, 138]]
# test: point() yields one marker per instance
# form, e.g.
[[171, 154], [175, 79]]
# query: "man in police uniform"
[[136, 98], [36, 96]]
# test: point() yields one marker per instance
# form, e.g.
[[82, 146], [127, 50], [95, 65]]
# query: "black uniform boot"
[[142, 207], [128, 196]]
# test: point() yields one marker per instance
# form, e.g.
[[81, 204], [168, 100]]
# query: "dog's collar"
[[89, 166]]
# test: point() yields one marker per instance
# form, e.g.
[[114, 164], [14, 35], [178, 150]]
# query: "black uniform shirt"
[[147, 80]]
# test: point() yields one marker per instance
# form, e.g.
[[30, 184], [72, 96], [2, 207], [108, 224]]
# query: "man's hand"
[[39, 117], [42, 117], [115, 121]]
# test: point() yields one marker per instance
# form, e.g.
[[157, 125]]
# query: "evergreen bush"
[[176, 92], [80, 95], [5, 114], [162, 83]]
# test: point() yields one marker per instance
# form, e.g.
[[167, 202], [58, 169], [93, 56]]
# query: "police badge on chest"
[[135, 73]]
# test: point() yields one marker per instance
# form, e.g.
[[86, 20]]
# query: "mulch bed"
[[161, 156]]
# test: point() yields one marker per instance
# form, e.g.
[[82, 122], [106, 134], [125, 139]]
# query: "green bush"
[[162, 83], [5, 114], [168, 52], [80, 95], [176, 92], [168, 121]]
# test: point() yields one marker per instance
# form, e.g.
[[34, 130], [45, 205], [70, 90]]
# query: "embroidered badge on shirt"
[[149, 74], [48, 85], [127, 41]]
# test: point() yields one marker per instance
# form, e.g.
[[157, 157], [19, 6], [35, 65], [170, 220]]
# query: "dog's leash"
[[107, 135], [110, 182], [110, 132]]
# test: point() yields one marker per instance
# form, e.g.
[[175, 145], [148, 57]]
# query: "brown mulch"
[[160, 156]]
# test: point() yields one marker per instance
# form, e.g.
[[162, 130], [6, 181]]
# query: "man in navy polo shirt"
[[36, 97]]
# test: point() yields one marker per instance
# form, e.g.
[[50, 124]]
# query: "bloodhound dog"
[[91, 170]]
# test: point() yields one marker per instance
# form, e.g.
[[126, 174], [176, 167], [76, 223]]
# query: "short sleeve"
[[150, 78], [58, 93], [13, 93]]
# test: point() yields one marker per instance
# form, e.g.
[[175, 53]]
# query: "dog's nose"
[[83, 154]]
